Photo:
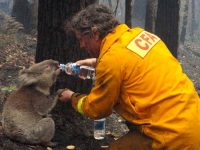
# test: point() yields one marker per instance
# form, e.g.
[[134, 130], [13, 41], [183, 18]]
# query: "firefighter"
[[137, 76]]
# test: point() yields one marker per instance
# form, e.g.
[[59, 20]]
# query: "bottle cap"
[[62, 67]]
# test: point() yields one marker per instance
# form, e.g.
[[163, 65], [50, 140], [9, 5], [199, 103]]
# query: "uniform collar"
[[110, 39]]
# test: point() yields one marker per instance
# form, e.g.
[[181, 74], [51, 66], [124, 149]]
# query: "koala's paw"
[[60, 91]]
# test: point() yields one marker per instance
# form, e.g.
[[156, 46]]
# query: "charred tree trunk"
[[151, 11], [194, 20], [26, 13], [138, 13], [185, 21], [54, 43], [167, 23], [128, 11], [34, 15], [21, 11]]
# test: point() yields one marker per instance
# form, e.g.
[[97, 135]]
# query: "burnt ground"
[[16, 53], [71, 127]]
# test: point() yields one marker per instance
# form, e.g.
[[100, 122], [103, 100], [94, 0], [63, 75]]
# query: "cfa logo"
[[143, 43]]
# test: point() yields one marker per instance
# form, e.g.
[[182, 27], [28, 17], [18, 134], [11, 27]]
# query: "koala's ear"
[[26, 78]]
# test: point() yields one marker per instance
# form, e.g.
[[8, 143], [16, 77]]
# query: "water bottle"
[[99, 129], [83, 72]]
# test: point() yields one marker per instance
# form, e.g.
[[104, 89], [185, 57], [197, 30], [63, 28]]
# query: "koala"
[[25, 116]]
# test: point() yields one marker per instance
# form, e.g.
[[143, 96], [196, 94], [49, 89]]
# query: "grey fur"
[[25, 113]]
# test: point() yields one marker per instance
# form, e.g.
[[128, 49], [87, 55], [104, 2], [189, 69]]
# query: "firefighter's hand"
[[87, 62], [64, 95]]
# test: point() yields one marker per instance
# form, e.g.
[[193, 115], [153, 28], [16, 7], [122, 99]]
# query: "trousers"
[[133, 140]]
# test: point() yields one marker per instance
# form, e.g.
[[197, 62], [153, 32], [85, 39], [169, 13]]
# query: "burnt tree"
[[26, 13], [22, 12], [162, 18], [185, 21], [128, 11], [167, 23], [151, 10], [54, 43], [138, 12]]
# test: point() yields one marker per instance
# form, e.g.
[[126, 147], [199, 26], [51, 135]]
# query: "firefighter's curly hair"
[[94, 15]]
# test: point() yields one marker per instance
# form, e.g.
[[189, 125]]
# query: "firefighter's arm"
[[103, 97]]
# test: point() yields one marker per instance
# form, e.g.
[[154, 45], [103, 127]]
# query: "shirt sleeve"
[[77, 100], [105, 92]]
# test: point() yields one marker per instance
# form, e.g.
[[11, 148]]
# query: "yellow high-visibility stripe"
[[79, 105]]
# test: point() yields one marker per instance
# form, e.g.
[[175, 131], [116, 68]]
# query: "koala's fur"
[[25, 112]]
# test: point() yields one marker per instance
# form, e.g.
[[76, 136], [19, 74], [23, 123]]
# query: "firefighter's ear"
[[95, 33]]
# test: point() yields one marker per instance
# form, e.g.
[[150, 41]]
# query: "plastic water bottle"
[[83, 72], [99, 129]]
